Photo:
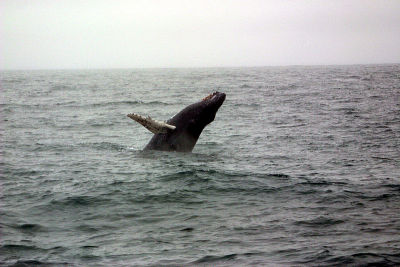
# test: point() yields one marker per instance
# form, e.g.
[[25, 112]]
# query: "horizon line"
[[200, 67]]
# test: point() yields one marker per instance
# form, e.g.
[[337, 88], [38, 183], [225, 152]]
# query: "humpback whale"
[[180, 133]]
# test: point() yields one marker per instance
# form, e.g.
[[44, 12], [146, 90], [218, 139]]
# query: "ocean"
[[301, 167]]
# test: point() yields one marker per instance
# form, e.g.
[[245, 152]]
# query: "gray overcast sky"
[[196, 33]]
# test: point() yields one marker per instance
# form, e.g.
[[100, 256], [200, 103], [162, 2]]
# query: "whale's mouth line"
[[210, 96]]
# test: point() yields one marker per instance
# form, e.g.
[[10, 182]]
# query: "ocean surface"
[[301, 167]]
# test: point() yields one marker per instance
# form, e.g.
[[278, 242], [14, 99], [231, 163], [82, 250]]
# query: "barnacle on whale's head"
[[210, 96]]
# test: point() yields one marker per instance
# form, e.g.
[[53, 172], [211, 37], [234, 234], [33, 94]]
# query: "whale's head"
[[209, 106], [191, 121]]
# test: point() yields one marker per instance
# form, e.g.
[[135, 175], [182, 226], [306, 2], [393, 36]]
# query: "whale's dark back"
[[189, 123]]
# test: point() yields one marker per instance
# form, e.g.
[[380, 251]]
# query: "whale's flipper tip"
[[153, 126]]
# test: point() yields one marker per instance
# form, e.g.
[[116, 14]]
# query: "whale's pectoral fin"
[[153, 126]]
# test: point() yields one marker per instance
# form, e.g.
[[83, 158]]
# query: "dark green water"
[[300, 167]]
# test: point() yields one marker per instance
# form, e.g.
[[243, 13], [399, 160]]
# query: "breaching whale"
[[180, 133]]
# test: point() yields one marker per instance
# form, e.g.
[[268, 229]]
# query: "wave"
[[108, 146], [10, 252], [194, 186], [77, 104], [29, 227], [319, 222], [325, 258], [205, 172], [18, 80], [126, 102], [79, 200], [251, 105], [257, 258], [12, 247], [104, 146], [27, 263], [177, 196], [214, 259], [370, 196]]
